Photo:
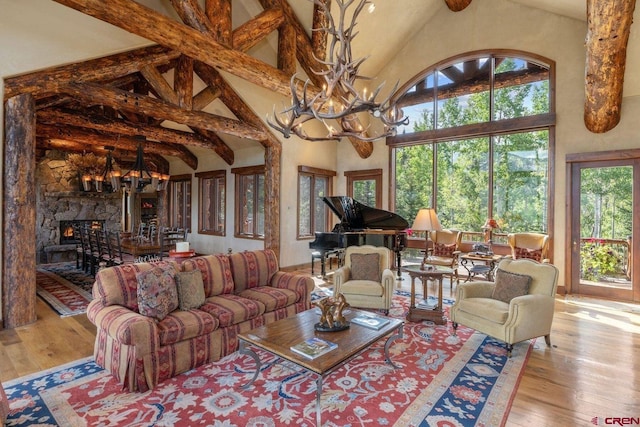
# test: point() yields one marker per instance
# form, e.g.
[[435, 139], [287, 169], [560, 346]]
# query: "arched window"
[[479, 143]]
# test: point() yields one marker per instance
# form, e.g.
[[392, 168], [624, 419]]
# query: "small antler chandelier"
[[339, 100]]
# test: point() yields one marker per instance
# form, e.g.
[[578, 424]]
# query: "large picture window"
[[249, 202], [479, 143], [313, 214], [211, 218]]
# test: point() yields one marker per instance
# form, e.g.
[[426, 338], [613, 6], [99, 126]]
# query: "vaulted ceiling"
[[177, 90]]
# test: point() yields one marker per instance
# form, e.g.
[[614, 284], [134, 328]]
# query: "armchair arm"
[[474, 290], [342, 275], [529, 316]]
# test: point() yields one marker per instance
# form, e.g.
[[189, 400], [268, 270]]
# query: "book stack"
[[370, 321], [313, 347]]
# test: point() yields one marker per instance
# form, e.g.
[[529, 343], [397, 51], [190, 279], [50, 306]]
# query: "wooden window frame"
[[204, 213], [240, 173], [313, 173], [174, 180], [365, 175]]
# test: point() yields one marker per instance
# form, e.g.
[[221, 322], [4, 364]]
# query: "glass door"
[[603, 229]]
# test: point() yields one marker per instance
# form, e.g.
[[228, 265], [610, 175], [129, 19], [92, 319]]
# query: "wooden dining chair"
[[168, 239], [116, 255]]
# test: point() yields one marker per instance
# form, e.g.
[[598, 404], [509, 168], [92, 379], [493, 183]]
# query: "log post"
[[19, 220], [608, 27], [273, 160]]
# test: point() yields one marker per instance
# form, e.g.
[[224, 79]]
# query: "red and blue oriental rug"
[[444, 380]]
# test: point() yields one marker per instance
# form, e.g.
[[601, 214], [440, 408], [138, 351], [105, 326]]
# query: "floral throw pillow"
[[510, 285], [190, 289], [440, 249], [365, 267], [534, 254], [157, 293]]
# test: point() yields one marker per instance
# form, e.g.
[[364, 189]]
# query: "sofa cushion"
[[190, 289], [232, 309], [365, 267], [362, 287], [183, 325], [157, 292], [253, 268], [510, 285], [272, 298], [216, 273], [490, 309], [119, 285]]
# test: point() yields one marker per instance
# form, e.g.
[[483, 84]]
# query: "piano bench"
[[336, 254]]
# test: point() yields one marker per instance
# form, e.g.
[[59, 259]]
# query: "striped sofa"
[[243, 290]]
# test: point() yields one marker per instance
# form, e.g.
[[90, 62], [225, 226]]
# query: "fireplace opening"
[[66, 228]]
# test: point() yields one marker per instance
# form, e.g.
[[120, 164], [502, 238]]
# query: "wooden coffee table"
[[277, 338]]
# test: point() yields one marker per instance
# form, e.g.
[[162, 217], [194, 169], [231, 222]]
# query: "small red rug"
[[63, 296], [443, 380]]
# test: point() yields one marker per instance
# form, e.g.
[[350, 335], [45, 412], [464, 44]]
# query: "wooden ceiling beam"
[[608, 28], [255, 30], [234, 102], [161, 87], [90, 137], [319, 38], [146, 105], [145, 22], [457, 5], [219, 14], [44, 82], [305, 55], [191, 14]]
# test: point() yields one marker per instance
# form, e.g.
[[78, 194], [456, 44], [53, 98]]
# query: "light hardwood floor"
[[592, 369]]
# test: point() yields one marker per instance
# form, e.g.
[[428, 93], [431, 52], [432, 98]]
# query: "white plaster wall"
[[500, 24]]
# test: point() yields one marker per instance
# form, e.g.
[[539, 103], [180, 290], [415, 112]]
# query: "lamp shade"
[[426, 220], [490, 224]]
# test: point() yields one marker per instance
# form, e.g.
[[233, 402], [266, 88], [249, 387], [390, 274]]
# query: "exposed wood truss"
[[609, 24], [457, 5]]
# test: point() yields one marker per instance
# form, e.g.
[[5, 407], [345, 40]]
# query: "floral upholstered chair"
[[533, 246], [366, 280], [445, 251]]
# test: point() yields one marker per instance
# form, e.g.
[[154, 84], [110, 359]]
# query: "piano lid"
[[355, 216]]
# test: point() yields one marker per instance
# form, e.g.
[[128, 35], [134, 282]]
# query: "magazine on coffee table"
[[313, 347], [370, 321]]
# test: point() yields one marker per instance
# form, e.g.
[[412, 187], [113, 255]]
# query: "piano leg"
[[399, 265]]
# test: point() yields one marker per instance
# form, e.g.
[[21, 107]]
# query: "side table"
[[479, 264], [435, 314]]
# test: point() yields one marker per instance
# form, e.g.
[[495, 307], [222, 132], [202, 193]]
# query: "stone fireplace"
[[60, 201]]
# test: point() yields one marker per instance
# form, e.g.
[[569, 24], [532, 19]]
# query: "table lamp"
[[488, 227], [426, 220]]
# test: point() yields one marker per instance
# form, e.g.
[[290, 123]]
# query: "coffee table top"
[[277, 338], [435, 269]]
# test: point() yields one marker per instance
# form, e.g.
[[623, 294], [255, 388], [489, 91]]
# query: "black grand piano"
[[361, 225]]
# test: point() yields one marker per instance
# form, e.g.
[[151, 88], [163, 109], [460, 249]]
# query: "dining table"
[[140, 247]]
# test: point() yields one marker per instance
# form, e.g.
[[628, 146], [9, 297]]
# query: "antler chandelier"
[[339, 100]]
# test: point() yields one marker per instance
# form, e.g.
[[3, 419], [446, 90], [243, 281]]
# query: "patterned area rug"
[[65, 297], [68, 271], [443, 380]]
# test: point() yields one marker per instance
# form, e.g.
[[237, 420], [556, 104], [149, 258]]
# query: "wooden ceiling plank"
[[608, 29], [115, 66], [146, 105]]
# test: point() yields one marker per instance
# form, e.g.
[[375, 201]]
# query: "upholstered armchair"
[[366, 280], [518, 306], [533, 246], [445, 251]]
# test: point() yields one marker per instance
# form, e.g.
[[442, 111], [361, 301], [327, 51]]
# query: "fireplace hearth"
[[66, 228]]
